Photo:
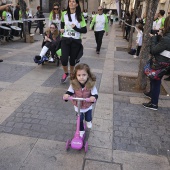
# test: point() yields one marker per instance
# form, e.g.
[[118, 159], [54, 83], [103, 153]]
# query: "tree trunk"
[[137, 2], [144, 54], [24, 16]]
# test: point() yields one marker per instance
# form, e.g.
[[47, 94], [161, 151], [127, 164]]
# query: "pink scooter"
[[78, 142]]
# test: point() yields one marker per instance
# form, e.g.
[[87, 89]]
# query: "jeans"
[[88, 118], [155, 86]]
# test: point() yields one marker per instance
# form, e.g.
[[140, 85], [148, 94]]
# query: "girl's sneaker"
[[89, 124], [82, 133], [135, 56]]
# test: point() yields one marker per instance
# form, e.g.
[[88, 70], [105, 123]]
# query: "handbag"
[[155, 70]]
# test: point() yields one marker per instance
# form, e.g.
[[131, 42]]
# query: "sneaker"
[[135, 56], [51, 59], [89, 124], [82, 133], [98, 52], [1, 60], [147, 95], [64, 77], [150, 106], [38, 57]]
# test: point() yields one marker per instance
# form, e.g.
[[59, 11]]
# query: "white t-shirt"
[[69, 31], [85, 14], [111, 16], [57, 21], [100, 22], [158, 24], [93, 92], [139, 38], [8, 17]]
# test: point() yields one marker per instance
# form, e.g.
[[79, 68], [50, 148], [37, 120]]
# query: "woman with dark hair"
[[50, 42], [73, 24], [161, 52], [55, 16]]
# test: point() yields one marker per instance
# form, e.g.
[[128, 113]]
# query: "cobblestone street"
[[35, 122]]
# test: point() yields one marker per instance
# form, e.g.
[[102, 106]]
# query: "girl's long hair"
[[166, 25], [59, 11], [78, 12], [85, 67]]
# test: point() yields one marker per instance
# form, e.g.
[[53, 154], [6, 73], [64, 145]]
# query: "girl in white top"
[[55, 16], [139, 39]]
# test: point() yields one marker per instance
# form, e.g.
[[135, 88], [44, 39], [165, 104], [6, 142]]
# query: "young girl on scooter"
[[82, 85]]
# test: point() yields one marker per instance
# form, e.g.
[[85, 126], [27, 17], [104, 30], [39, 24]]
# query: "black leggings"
[[69, 48], [52, 47], [99, 37]]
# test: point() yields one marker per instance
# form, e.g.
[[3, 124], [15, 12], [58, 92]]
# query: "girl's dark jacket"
[[158, 47]]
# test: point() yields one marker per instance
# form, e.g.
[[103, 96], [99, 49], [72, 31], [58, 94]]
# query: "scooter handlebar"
[[77, 98]]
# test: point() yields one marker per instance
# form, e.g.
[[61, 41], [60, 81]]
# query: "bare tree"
[[144, 54], [137, 3]]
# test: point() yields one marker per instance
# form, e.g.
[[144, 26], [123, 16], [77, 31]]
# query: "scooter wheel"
[[67, 144], [86, 146]]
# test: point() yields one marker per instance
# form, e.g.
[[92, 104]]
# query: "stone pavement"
[[35, 122]]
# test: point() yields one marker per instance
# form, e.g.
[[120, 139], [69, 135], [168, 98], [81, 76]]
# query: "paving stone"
[[53, 123], [143, 131], [11, 73], [136, 161], [93, 165]]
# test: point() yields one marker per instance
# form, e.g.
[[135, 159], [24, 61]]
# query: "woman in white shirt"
[[73, 25]]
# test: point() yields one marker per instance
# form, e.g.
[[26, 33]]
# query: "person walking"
[[73, 24], [85, 14], [37, 16], [128, 22], [82, 85], [2, 8], [29, 15], [55, 16], [100, 23], [161, 52], [139, 40]]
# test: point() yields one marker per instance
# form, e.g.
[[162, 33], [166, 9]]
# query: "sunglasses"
[[55, 8], [52, 27], [100, 9]]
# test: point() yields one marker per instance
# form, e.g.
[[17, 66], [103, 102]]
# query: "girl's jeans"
[[88, 118]]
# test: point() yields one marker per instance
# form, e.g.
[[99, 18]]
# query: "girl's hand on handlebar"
[[92, 99], [66, 96]]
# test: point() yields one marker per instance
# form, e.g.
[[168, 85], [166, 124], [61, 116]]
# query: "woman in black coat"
[[161, 52]]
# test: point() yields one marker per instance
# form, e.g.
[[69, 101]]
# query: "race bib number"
[[71, 33]]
